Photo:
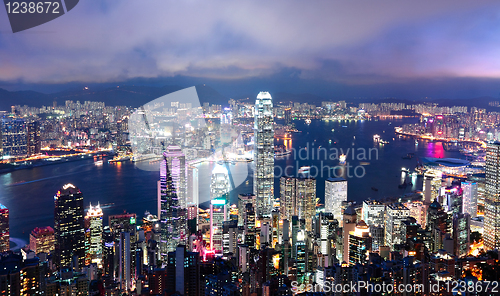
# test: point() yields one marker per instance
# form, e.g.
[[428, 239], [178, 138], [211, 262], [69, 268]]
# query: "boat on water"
[[308, 121], [304, 169], [98, 163], [342, 159], [374, 189]]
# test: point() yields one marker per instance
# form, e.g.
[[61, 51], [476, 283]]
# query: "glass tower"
[[263, 180], [492, 198], [69, 227]]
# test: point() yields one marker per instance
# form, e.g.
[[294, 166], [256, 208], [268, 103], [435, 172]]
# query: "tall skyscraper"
[[492, 198], [42, 240], [33, 140], [219, 184], [13, 138], [243, 200], [69, 227], [4, 229], [432, 184], [373, 212], [395, 215], [94, 222], [263, 180], [335, 194], [171, 204], [461, 234], [469, 198], [192, 186], [218, 214], [298, 198], [360, 243]]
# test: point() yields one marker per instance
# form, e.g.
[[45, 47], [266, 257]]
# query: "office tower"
[[243, 200], [42, 240], [94, 218], [125, 261], [230, 237], [360, 243], [432, 185], [226, 130], [263, 180], [395, 214], [373, 212], [183, 272], [298, 198], [249, 226], [172, 212], [287, 197], [108, 251], [335, 194], [218, 214], [350, 221], [418, 210], [378, 236], [461, 234], [288, 115], [469, 198], [219, 184], [33, 140], [122, 222], [13, 138], [327, 231], [69, 227], [4, 229], [192, 186], [492, 198], [437, 224]]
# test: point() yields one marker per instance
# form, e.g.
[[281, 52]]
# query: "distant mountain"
[[127, 95]]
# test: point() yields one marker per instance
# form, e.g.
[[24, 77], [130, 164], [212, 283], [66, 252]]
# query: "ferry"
[[98, 163], [304, 169], [342, 159], [308, 121]]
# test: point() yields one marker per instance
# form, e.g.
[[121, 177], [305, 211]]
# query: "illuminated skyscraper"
[[263, 180], [218, 214], [335, 194], [94, 218], [192, 186], [172, 212], [4, 229], [469, 198], [432, 184], [42, 240], [243, 200], [13, 138], [298, 198], [287, 197], [33, 140], [220, 184], [492, 198], [69, 227], [373, 212], [395, 214], [360, 243]]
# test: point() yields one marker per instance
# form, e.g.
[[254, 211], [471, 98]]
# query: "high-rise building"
[[218, 214], [418, 210], [69, 227], [4, 229], [33, 140], [42, 240], [13, 138], [263, 181], [192, 186], [220, 184], [461, 234], [94, 222], [492, 198], [395, 215], [432, 185], [305, 205], [171, 203], [183, 272], [288, 115], [350, 221], [298, 198], [125, 261], [360, 244], [287, 197], [230, 237], [469, 198], [335, 194], [243, 200], [373, 212]]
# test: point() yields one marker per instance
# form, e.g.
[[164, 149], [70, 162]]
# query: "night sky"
[[406, 49]]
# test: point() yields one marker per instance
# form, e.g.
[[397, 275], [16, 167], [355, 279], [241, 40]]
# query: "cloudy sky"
[[351, 48]]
